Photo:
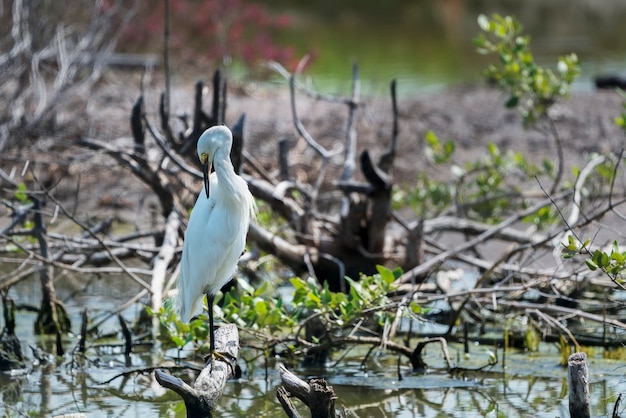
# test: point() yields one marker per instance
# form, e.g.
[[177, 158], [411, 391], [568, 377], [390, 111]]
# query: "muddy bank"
[[472, 116]]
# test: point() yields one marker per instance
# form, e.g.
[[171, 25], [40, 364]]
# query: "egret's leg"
[[209, 300], [223, 356]]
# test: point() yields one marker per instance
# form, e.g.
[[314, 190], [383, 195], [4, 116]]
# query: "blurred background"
[[425, 44]]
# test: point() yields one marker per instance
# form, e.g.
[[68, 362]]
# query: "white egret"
[[217, 229]]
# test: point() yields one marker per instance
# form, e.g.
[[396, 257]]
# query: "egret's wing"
[[196, 268]]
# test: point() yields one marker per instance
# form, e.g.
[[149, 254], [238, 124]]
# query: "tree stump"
[[578, 380], [317, 395], [209, 386]]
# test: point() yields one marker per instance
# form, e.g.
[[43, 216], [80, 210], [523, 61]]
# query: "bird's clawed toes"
[[223, 356]]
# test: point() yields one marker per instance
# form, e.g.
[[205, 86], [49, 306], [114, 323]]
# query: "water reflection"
[[531, 385], [98, 385]]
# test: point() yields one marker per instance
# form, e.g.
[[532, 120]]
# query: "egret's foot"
[[223, 356]]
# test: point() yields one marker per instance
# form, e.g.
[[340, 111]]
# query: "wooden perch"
[[209, 386], [578, 379], [316, 395]]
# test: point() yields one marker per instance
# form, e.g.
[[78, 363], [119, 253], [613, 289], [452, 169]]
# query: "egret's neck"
[[225, 171]]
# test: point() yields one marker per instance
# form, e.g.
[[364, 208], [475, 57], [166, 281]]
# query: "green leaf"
[[178, 341], [415, 308], [397, 272], [297, 283], [591, 265], [326, 297], [432, 140], [21, 193], [260, 307], [386, 274], [262, 288], [484, 23], [245, 286]]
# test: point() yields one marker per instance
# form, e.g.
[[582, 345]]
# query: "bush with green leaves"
[[367, 297], [258, 312], [611, 261], [485, 189], [532, 88], [175, 333]]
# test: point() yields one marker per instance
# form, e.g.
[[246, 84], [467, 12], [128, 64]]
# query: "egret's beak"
[[206, 172]]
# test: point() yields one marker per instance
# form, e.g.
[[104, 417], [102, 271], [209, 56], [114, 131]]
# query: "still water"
[[427, 45], [528, 385]]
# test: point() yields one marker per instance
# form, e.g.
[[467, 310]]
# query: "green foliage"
[[175, 333], [533, 89], [574, 247], [253, 309], [485, 189], [427, 197], [612, 263], [544, 216], [339, 310], [257, 311], [21, 194], [439, 152]]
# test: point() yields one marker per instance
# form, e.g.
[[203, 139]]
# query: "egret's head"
[[210, 142]]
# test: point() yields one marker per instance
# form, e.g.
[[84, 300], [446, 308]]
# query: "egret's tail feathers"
[[188, 309]]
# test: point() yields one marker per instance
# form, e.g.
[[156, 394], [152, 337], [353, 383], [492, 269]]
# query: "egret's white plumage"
[[217, 229]]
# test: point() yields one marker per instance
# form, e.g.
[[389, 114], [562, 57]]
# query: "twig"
[[584, 248], [559, 153], [617, 164], [128, 338], [308, 92], [300, 127], [440, 258], [166, 59], [83, 332], [349, 162], [168, 151], [560, 326], [133, 276], [564, 310]]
